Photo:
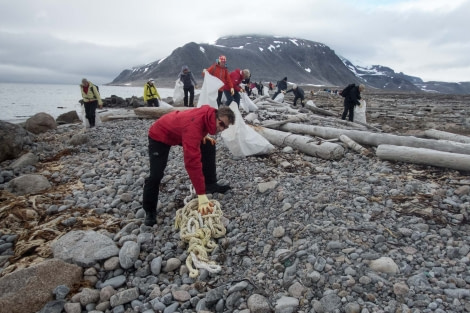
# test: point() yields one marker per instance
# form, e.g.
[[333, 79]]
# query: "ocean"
[[18, 102]]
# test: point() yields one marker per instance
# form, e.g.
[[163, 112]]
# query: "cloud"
[[99, 39]]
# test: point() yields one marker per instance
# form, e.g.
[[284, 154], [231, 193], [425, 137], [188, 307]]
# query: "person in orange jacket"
[[219, 70], [189, 129]]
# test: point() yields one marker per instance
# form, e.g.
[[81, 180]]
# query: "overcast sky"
[[61, 41]]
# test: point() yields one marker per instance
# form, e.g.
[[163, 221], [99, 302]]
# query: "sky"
[[62, 41]]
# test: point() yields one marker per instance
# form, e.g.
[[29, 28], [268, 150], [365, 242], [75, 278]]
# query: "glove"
[[232, 91], [210, 139], [204, 207]]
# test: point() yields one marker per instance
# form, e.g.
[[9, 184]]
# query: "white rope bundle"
[[198, 230]]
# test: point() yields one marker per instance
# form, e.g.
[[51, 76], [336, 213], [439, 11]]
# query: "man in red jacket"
[[189, 129], [237, 76]]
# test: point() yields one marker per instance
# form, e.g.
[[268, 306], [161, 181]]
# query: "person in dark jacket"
[[281, 87], [189, 83], [351, 99], [188, 129], [298, 94]]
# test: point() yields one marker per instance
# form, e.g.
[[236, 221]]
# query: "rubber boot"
[[209, 169]]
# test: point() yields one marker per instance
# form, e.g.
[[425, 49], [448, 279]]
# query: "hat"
[[222, 58], [285, 78], [151, 80], [294, 86], [185, 67]]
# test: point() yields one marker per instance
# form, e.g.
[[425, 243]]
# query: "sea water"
[[18, 102]]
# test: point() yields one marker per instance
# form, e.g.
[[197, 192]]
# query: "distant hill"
[[269, 59]]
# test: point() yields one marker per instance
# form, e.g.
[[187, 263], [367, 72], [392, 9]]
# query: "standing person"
[[271, 86], [189, 83], [247, 85], [298, 94], [281, 87], [189, 129], [91, 99], [151, 95], [237, 76], [219, 70], [260, 88], [352, 95]]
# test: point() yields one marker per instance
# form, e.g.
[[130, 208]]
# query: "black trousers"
[[219, 97], [348, 108], [189, 90], [90, 111], [153, 102], [297, 98], [158, 157]]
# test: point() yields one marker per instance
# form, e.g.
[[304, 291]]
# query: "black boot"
[[213, 188], [150, 218], [209, 169]]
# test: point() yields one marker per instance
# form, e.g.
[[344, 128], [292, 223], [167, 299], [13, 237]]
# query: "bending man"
[[187, 128]]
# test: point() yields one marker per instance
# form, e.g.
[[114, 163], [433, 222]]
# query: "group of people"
[[191, 129]]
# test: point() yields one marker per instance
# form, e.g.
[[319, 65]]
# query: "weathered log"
[[319, 111], [315, 109], [354, 145], [439, 134], [324, 150], [298, 118], [424, 156], [156, 112], [375, 139]]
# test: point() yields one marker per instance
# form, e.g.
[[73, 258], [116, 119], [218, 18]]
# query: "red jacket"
[[236, 76], [187, 128], [222, 74]]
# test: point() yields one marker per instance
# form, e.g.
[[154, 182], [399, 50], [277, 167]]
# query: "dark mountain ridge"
[[270, 58]]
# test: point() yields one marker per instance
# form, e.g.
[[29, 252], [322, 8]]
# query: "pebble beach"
[[303, 234]]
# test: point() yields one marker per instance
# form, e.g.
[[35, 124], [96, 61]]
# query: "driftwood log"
[[307, 145], [439, 134], [314, 109], [424, 156], [154, 113], [376, 139], [354, 145]]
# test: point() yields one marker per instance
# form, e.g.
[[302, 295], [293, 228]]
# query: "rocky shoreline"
[[304, 234]]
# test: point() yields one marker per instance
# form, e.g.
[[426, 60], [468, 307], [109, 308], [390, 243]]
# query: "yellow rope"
[[198, 231]]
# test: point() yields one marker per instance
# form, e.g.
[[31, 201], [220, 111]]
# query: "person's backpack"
[[97, 89], [345, 92]]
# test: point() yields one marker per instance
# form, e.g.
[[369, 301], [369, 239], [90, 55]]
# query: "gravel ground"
[[304, 234]]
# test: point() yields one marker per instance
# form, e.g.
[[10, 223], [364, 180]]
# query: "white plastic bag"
[[209, 89], [246, 103], [178, 93], [279, 97], [360, 112], [164, 104], [242, 140]]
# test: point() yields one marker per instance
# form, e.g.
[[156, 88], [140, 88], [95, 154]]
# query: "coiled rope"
[[198, 231]]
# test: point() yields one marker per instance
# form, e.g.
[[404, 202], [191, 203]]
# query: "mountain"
[[270, 58]]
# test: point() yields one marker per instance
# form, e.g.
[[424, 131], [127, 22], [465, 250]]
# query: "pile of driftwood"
[[439, 148]]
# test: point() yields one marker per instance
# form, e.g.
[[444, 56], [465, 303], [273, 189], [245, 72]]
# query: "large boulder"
[[68, 118], [29, 289], [27, 184], [12, 139], [40, 123], [84, 248]]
